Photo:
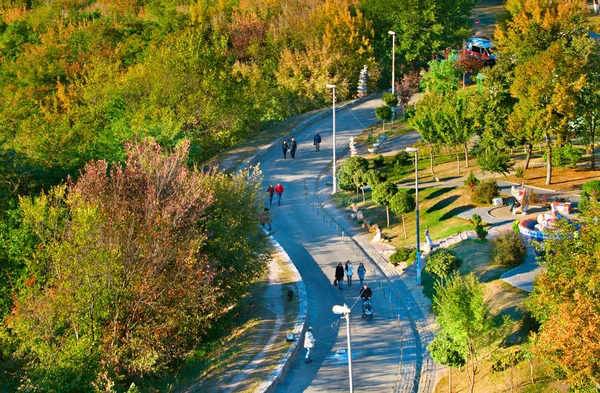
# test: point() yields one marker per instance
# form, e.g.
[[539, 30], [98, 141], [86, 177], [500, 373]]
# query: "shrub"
[[408, 255], [515, 226], [402, 158], [408, 113], [471, 181], [476, 219], [589, 191], [441, 263], [481, 232], [566, 155], [398, 160], [520, 173], [378, 160], [508, 249], [485, 192]]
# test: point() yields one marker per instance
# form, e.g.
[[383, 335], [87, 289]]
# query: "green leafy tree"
[[463, 316], [401, 203], [383, 113], [445, 351], [425, 120], [345, 174], [508, 249], [442, 263], [457, 127], [494, 106], [442, 77], [391, 100], [382, 195], [422, 27]]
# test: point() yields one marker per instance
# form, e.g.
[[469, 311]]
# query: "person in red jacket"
[[278, 191]]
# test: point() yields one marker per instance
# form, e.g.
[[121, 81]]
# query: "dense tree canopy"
[[128, 267]]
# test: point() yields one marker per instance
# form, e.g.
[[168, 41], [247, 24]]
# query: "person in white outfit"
[[309, 343], [349, 273]]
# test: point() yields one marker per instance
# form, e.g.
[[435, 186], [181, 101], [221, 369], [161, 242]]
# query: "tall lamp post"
[[416, 151], [393, 34], [329, 86], [345, 311]]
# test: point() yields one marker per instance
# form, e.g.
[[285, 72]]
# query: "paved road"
[[387, 350]]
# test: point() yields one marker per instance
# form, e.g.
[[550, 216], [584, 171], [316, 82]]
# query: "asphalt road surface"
[[383, 349]]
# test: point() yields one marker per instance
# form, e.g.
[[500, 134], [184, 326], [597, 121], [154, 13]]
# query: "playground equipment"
[[540, 228], [521, 199]]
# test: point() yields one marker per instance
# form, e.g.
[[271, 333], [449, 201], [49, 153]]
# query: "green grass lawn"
[[438, 209]]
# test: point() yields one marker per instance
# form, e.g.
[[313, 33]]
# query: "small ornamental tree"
[[471, 181], [445, 351], [401, 203], [383, 113], [442, 263], [346, 172], [464, 317], [382, 194], [391, 100], [373, 177]]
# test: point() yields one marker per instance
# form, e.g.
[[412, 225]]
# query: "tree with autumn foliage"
[[547, 89], [133, 264], [566, 302]]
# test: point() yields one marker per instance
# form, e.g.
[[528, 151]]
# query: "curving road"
[[388, 352]]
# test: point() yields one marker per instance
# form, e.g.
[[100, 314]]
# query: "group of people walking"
[[348, 272], [366, 293], [293, 146]]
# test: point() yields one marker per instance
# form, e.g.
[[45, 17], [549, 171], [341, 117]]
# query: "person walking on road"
[[270, 191], [265, 218], [309, 343], [293, 147], [361, 274], [278, 191], [349, 273], [317, 141], [339, 275], [284, 148], [366, 293]]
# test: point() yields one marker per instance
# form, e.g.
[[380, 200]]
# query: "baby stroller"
[[367, 309]]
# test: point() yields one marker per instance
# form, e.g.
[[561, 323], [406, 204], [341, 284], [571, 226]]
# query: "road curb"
[[289, 358]]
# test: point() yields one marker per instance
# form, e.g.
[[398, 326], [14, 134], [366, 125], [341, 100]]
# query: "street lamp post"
[[329, 86], [345, 311], [416, 151], [393, 34]]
